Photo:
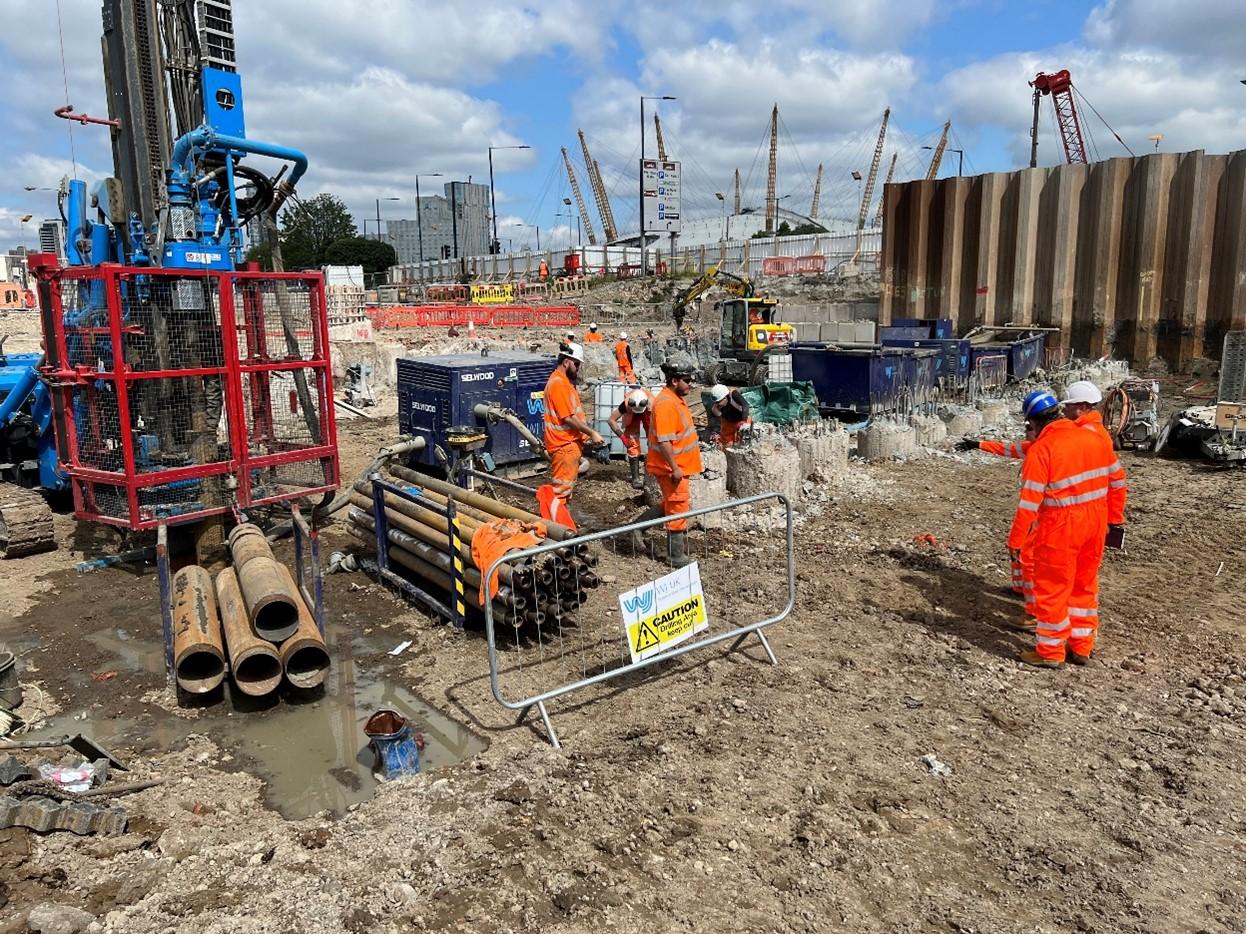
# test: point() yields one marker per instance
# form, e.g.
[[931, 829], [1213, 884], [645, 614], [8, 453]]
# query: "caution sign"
[[663, 613]]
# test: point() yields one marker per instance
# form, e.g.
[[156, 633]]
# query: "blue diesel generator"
[[438, 396]]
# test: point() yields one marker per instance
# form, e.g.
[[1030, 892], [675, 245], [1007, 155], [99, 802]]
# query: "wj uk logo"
[[641, 603]]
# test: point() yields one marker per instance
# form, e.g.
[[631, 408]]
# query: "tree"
[[373, 255], [309, 227]]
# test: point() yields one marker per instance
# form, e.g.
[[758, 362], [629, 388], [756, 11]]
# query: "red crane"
[[1060, 87]]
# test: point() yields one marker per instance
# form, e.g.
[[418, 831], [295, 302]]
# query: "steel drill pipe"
[[304, 656], [479, 516], [435, 538], [198, 649], [487, 504], [254, 662], [272, 607], [425, 570], [432, 556], [429, 516]]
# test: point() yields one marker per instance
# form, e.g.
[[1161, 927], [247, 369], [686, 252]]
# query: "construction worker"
[[732, 411], [1063, 479], [627, 421], [623, 356], [568, 338], [593, 336], [566, 427], [674, 456], [1080, 403]]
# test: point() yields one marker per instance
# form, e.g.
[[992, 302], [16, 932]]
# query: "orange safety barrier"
[[444, 316], [810, 265]]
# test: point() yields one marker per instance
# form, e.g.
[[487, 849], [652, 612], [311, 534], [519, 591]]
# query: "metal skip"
[[198, 653], [255, 663]]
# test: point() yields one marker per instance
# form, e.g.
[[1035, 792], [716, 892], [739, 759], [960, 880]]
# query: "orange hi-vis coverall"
[[564, 444], [672, 424], [592, 337], [1064, 481], [632, 425], [1022, 568], [623, 357], [1084, 601]]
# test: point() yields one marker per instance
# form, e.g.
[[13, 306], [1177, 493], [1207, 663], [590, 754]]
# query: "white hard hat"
[[593, 326], [622, 335], [570, 335], [637, 401], [1082, 391], [718, 392], [573, 350]]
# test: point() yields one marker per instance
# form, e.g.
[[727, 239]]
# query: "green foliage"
[[373, 255], [309, 228], [787, 230]]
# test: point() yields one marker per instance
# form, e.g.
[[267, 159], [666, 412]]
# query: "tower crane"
[[599, 191], [817, 194], [657, 129], [737, 191], [772, 172], [891, 171], [867, 195], [937, 159], [579, 199], [1059, 87]]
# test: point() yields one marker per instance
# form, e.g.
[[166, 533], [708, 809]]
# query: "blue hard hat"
[[1037, 402]]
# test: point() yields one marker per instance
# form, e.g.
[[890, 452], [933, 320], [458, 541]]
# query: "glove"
[[602, 454], [966, 444], [1115, 537]]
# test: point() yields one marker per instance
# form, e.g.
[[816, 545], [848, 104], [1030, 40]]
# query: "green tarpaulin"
[[779, 403]]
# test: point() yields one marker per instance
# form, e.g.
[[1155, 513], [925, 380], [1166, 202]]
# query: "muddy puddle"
[[307, 747]]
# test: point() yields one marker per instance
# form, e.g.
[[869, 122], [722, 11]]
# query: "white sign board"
[[659, 184], [663, 613]]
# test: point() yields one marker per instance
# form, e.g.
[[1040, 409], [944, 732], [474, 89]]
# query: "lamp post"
[[579, 235], [722, 199], [536, 227], [960, 162], [493, 205], [419, 224], [378, 214], [644, 240]]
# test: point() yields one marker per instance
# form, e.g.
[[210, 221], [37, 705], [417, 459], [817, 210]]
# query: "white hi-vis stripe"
[[1026, 504], [1043, 640], [1078, 478], [1080, 632], [1117, 484], [1031, 485], [1076, 500], [1014, 450], [1050, 627], [1079, 611]]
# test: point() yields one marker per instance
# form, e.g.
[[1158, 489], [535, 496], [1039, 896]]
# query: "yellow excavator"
[[748, 329]]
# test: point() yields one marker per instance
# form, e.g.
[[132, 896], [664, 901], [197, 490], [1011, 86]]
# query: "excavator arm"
[[736, 285]]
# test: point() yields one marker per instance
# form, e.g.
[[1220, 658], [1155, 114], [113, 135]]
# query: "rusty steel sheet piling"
[[254, 662], [198, 651]]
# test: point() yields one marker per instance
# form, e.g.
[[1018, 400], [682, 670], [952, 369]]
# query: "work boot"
[[1031, 657], [1026, 625], [677, 543], [1076, 658], [638, 537], [633, 465]]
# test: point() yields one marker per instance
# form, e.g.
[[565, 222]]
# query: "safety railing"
[[610, 603]]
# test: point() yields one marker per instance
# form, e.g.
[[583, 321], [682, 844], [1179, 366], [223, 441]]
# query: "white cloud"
[[1202, 29]]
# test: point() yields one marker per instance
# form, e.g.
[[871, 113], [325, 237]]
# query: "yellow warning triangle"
[[645, 639]]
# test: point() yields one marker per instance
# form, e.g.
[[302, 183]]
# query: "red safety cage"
[[179, 394]]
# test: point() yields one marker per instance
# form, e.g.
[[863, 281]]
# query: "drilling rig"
[[181, 387]]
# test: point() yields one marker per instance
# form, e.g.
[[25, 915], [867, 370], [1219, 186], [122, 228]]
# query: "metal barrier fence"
[[401, 316], [619, 613]]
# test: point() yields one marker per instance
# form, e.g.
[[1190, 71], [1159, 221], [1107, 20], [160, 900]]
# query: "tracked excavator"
[[748, 329]]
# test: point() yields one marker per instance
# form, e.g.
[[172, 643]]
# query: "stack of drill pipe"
[[272, 604], [304, 655], [537, 590], [255, 663]]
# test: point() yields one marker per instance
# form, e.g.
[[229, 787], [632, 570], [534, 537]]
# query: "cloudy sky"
[[377, 90]]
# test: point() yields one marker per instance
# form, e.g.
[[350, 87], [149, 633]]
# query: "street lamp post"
[[579, 236], [644, 240], [960, 162], [493, 205], [419, 224], [378, 214], [722, 199]]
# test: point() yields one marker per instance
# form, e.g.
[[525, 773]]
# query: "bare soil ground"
[[722, 793]]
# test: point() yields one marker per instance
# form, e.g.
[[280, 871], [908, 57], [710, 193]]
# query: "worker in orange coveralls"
[[674, 455], [1064, 477], [1080, 403], [566, 426], [623, 356], [627, 421], [593, 336]]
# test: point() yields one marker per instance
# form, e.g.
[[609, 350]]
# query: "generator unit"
[[438, 397]]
